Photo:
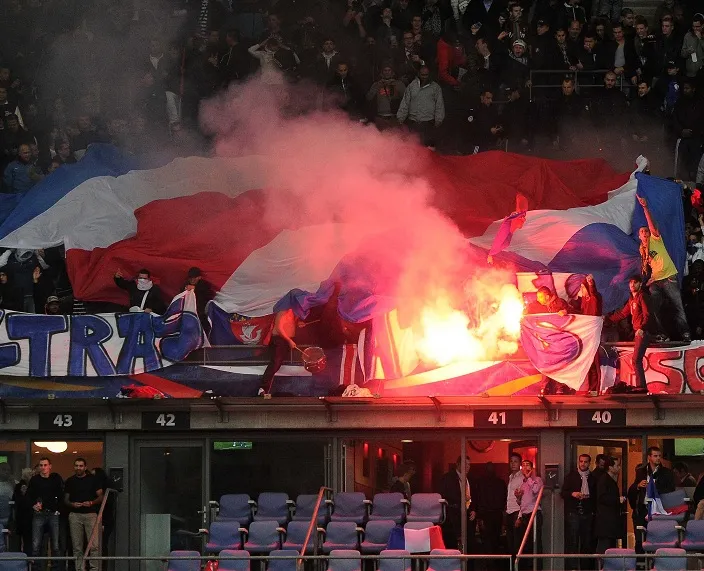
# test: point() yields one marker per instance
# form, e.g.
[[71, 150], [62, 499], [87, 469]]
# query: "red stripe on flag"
[[170, 388]]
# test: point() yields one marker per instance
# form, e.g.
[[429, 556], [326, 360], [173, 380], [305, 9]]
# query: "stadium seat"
[[427, 507], [349, 507], [282, 564], [340, 535], [223, 535], [620, 564], [272, 506], [694, 536], [389, 506], [19, 562], [376, 536], [262, 537], [444, 564], [388, 560], [241, 564], [345, 560], [296, 532], [305, 504], [675, 560], [676, 499], [660, 534], [177, 562], [235, 507]]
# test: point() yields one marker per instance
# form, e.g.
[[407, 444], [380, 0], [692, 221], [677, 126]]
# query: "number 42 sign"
[[166, 420]]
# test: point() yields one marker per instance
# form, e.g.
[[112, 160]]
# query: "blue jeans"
[[41, 522], [640, 345], [669, 290]]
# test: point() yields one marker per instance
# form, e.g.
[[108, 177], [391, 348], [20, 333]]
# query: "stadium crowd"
[[465, 75]]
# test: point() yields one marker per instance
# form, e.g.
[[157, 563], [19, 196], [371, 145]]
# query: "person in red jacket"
[[639, 308], [452, 66]]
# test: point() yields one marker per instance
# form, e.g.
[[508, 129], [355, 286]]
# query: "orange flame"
[[447, 334]]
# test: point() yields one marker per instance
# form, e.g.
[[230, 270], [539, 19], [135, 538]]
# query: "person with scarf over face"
[[579, 493], [144, 295]]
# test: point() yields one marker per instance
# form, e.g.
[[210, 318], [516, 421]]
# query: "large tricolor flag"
[[421, 540]]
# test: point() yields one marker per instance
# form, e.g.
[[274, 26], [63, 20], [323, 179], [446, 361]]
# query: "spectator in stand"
[[385, 95], [64, 152], [693, 47], [487, 127], [491, 494], [423, 42], [687, 118], [622, 54], [402, 483], [451, 489], [668, 89], [543, 45], [486, 14], [269, 53], [8, 107], [579, 495], [87, 134], [569, 114], [388, 35], [23, 512], [402, 13], [21, 175], [610, 505], [432, 18], [628, 21], [609, 10], [592, 56], [693, 298], [407, 61], [422, 107], [343, 92], [45, 493], [645, 112], [668, 46], [203, 291], [143, 294], [683, 478], [234, 63], [662, 273], [563, 57], [10, 296], [575, 42], [527, 496], [666, 8], [325, 64], [609, 109], [83, 495], [514, 28], [601, 31], [516, 71], [640, 310], [645, 46], [11, 137], [571, 11]]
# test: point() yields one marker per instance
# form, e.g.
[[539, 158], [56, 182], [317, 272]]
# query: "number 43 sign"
[[60, 421]]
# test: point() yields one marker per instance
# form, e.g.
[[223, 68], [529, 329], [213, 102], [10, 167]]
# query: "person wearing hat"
[[668, 87], [204, 293], [52, 306]]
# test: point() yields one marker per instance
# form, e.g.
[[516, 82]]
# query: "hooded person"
[[144, 295], [203, 291]]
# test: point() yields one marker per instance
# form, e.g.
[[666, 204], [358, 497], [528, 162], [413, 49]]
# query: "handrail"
[[313, 525], [530, 525], [98, 522]]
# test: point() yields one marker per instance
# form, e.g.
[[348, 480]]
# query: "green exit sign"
[[242, 445]]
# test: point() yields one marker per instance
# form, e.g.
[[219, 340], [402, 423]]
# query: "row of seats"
[[666, 559], [340, 560], [667, 533], [344, 507], [262, 537]]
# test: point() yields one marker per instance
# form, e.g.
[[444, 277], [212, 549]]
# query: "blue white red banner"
[[562, 347], [101, 345]]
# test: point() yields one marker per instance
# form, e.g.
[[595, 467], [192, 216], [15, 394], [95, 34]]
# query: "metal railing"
[[312, 526], [566, 72], [531, 527], [98, 525], [646, 557]]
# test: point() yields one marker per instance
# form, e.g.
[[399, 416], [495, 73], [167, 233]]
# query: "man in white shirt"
[[513, 508]]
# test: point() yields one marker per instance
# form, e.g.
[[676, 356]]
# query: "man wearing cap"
[[516, 73], [204, 293]]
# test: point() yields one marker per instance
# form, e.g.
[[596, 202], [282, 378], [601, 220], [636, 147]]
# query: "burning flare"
[[448, 335]]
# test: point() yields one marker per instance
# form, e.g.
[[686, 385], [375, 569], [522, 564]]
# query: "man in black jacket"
[[664, 483], [451, 490], [45, 493], [144, 295], [491, 503], [579, 493], [204, 293]]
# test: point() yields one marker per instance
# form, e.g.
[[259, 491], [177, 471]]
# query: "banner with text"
[[98, 345], [561, 347]]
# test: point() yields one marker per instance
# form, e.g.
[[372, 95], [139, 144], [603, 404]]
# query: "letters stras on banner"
[[114, 343]]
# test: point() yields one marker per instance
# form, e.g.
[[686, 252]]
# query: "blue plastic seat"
[[272, 506], [262, 537], [694, 536], [376, 536], [345, 560], [282, 564], [619, 564], [661, 534], [350, 507], [296, 532], [427, 507], [444, 564], [20, 562], [670, 559], [235, 507], [178, 561], [671, 500], [223, 535], [239, 564], [340, 535], [305, 504], [389, 506], [389, 560]]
